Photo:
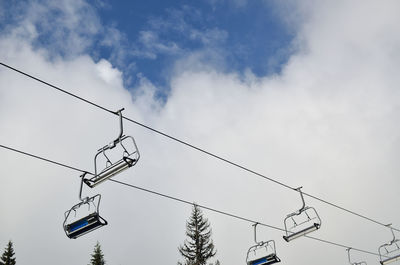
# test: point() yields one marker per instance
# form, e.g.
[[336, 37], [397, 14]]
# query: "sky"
[[305, 92]]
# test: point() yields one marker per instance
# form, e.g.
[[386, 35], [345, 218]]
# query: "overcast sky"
[[305, 92]]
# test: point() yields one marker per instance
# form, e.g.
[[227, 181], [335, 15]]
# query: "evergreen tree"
[[199, 247], [97, 256], [7, 257]]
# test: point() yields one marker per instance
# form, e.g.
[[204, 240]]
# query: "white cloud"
[[209, 37], [235, 3], [112, 37], [328, 123], [109, 74], [65, 27], [163, 35], [153, 45]]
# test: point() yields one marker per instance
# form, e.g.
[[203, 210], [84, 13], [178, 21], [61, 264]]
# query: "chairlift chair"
[[354, 263], [268, 254], [75, 227], [301, 222], [130, 157], [390, 252]]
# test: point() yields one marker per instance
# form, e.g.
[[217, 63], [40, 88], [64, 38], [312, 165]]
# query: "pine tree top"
[[7, 257], [198, 247], [97, 256]]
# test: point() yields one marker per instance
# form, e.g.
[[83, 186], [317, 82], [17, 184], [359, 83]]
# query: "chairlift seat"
[[84, 225], [390, 252], [111, 171], [389, 260], [313, 227], [270, 259]]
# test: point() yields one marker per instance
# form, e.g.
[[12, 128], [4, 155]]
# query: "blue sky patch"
[[146, 39]]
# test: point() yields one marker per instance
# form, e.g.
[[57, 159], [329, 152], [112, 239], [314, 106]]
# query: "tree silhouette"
[[7, 257], [97, 256], [198, 247]]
